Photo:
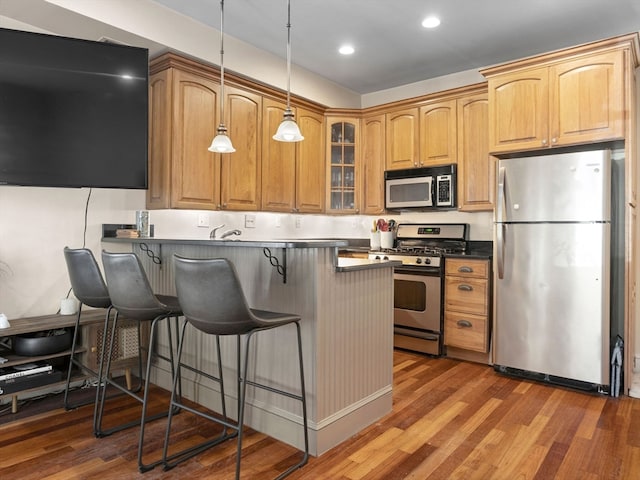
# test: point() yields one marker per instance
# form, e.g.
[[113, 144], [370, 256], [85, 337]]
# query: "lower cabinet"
[[467, 321]]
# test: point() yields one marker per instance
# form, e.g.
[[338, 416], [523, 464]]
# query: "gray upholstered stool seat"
[[133, 297], [213, 302]]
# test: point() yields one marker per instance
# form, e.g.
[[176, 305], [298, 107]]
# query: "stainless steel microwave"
[[426, 188]]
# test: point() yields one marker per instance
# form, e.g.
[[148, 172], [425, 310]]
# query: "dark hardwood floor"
[[450, 420]]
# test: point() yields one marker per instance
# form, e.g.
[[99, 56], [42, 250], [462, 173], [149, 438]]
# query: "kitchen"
[[114, 208]]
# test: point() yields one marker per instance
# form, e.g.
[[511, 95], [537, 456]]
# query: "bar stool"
[[89, 288], [133, 297], [213, 302]]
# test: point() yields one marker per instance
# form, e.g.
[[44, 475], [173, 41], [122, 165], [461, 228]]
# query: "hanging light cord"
[[288, 53], [221, 62]]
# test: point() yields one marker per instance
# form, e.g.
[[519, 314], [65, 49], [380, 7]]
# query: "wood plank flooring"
[[450, 420]]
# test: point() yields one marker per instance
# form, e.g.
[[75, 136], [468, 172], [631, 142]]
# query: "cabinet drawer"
[[465, 331], [467, 295], [463, 267]]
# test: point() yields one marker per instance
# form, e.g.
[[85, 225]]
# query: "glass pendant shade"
[[221, 142], [288, 130]]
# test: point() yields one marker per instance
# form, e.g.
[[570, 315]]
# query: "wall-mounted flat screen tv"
[[73, 113]]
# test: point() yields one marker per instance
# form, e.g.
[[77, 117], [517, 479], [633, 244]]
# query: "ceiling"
[[393, 49]]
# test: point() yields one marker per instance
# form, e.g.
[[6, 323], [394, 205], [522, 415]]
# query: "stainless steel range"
[[418, 313]]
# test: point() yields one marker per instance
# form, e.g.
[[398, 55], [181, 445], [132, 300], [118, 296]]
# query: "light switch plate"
[[203, 220]]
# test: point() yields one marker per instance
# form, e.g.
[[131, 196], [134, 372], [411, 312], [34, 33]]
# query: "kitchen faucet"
[[214, 230], [230, 232]]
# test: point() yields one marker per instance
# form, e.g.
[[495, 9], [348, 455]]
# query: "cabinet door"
[[310, 163], [343, 170], [194, 172], [278, 162], [519, 110], [373, 142], [438, 133], [240, 171], [160, 135], [476, 168], [587, 99], [402, 139]]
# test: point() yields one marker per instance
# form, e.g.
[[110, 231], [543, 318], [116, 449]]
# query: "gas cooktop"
[[423, 245]]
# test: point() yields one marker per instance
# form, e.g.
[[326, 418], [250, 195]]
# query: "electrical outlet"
[[298, 222], [203, 220], [249, 221], [278, 221]]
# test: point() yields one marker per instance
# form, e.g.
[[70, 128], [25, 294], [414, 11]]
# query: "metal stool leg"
[[174, 459]]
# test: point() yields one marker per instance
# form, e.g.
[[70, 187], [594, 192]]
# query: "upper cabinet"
[[292, 173], [240, 172], [476, 168], [262, 174], [342, 165], [438, 133], [310, 167], [373, 150], [402, 138], [557, 101], [183, 120], [278, 162]]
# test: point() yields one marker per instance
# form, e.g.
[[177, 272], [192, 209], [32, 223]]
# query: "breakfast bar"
[[346, 306]]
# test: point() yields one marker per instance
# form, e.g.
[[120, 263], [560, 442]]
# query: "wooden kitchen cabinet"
[[240, 172], [343, 165], [476, 167], [182, 121], [373, 148], [557, 102], [278, 162], [292, 173], [310, 163], [467, 294], [402, 138], [438, 133]]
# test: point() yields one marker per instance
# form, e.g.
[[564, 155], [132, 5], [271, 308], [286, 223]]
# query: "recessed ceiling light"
[[346, 50], [431, 22]]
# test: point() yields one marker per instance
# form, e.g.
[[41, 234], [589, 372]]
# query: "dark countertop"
[[235, 242]]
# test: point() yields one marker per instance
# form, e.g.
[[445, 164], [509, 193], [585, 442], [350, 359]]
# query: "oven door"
[[417, 301]]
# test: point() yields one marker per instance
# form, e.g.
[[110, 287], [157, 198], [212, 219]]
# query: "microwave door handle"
[[500, 226]]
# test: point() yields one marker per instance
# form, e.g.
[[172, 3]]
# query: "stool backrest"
[[211, 296], [86, 279], [129, 288]]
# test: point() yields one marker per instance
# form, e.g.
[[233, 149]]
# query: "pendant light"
[[221, 143], [288, 130]]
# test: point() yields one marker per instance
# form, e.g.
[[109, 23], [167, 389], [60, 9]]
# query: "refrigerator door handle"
[[500, 226]]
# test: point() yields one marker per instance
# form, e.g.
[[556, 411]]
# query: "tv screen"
[[73, 113]]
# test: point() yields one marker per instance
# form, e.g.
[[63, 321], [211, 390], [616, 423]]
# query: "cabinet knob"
[[464, 287], [464, 323], [554, 140], [544, 141]]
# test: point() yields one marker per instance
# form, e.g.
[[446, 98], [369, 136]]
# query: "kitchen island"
[[346, 307]]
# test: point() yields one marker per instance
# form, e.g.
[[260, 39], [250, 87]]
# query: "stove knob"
[[377, 257], [385, 258], [427, 261], [418, 261]]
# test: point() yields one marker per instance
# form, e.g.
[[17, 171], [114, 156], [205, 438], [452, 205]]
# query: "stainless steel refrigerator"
[[552, 254]]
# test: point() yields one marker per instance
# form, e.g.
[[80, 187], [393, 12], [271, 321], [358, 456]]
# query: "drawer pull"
[[464, 323], [465, 287], [465, 269]]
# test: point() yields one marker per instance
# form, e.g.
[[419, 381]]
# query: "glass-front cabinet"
[[342, 165]]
